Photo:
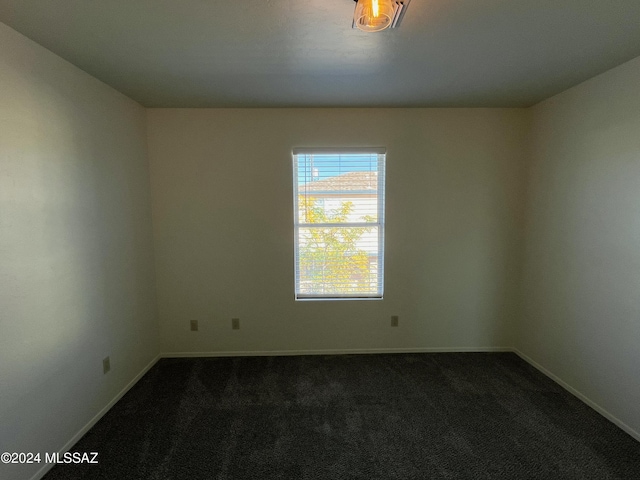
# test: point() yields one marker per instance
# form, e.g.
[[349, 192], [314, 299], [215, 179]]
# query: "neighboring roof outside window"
[[347, 182]]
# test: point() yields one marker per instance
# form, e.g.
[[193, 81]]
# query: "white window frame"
[[380, 224]]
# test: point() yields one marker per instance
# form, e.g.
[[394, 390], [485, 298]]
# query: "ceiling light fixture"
[[376, 15]]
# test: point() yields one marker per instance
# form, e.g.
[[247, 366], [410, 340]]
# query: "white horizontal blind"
[[339, 223]]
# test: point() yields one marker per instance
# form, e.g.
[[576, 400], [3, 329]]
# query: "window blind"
[[339, 223]]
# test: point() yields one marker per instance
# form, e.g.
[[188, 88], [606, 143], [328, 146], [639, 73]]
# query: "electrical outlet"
[[235, 323], [394, 321], [194, 325], [106, 365]]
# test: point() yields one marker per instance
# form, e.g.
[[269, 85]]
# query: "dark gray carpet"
[[414, 416]]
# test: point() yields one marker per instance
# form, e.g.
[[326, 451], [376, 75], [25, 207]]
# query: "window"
[[339, 223]]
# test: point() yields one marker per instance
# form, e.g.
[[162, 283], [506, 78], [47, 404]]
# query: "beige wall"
[[581, 289], [76, 266], [223, 228]]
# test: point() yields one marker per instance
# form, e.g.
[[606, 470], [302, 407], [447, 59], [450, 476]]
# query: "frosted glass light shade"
[[373, 15]]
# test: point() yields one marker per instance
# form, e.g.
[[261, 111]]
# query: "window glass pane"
[[338, 260], [339, 213]]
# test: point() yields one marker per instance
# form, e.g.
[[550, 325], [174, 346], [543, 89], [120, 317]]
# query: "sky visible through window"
[[321, 166]]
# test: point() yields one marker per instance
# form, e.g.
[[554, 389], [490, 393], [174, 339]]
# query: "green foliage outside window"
[[329, 256]]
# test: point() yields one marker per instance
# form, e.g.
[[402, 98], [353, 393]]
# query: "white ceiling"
[[304, 53]]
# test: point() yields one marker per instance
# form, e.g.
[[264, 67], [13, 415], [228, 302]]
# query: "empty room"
[[304, 239]]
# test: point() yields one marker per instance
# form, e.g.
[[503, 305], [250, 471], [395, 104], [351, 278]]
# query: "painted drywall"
[[581, 308], [221, 184], [76, 257]]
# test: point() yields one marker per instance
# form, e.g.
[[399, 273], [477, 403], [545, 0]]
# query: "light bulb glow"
[[373, 15]]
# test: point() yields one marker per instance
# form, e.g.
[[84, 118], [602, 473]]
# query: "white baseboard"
[[576, 393], [345, 351], [47, 466]]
